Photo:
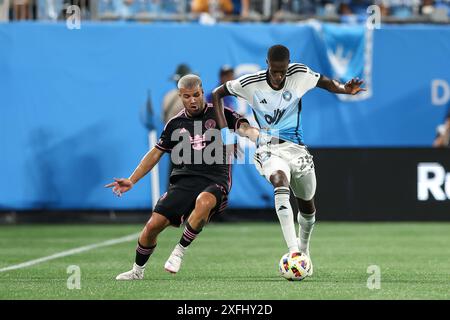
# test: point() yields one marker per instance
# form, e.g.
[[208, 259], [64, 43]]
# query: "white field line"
[[72, 252]]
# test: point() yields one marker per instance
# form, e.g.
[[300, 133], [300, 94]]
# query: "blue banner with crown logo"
[[76, 105]]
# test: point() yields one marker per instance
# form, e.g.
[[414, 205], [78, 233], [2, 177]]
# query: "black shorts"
[[179, 200]]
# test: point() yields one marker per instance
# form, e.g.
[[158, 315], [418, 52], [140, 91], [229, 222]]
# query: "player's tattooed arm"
[[352, 86], [122, 185], [246, 130], [217, 95]]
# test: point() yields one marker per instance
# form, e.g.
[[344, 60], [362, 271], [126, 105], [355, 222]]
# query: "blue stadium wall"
[[72, 104]]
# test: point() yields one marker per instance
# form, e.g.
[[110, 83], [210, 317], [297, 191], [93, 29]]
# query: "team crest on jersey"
[[287, 95], [210, 124]]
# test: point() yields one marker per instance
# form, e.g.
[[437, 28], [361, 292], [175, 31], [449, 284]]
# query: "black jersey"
[[196, 149]]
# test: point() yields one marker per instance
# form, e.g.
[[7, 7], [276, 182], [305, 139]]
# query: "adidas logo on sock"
[[263, 101], [282, 208]]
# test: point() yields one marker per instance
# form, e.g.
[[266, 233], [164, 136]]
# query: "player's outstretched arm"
[[246, 130], [122, 185], [352, 86]]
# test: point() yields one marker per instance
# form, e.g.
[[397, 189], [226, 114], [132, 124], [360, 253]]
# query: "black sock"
[[143, 253], [189, 234]]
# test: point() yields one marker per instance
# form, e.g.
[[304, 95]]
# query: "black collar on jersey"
[[270, 85], [196, 117]]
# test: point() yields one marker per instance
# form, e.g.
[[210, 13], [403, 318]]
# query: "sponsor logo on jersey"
[[198, 142], [277, 114]]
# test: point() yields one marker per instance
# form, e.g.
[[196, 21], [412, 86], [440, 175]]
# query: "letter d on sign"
[[437, 86]]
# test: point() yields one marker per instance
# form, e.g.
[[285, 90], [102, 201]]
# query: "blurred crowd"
[[211, 11]]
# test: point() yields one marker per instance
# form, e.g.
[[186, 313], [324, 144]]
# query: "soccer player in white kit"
[[282, 157]]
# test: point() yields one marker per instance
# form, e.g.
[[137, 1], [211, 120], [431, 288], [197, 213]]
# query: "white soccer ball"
[[294, 266]]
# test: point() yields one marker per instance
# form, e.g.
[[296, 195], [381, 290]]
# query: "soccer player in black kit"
[[199, 182]]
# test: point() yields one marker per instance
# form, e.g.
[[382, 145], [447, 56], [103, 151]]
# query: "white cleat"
[[311, 269], [173, 264], [137, 273]]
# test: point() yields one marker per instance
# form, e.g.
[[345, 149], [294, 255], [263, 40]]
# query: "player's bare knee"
[[279, 179], [306, 206], [156, 223], [205, 203]]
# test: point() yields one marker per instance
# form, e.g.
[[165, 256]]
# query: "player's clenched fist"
[[120, 186]]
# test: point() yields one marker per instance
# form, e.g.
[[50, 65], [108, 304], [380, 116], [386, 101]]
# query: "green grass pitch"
[[231, 261]]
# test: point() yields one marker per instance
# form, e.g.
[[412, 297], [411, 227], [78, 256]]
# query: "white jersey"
[[277, 110]]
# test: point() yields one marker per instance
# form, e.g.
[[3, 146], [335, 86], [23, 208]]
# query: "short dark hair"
[[278, 52]]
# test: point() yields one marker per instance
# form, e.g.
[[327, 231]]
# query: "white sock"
[[138, 267], [306, 225], [180, 248], [286, 217]]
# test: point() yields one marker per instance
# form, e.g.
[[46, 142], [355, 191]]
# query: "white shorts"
[[294, 160]]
